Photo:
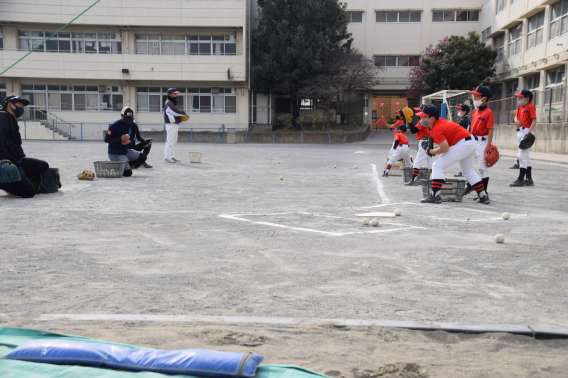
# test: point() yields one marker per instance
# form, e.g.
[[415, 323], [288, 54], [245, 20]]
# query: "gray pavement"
[[228, 238]]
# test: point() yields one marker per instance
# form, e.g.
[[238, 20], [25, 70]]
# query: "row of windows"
[[181, 44], [416, 16], [397, 61], [190, 99], [554, 78], [71, 42]]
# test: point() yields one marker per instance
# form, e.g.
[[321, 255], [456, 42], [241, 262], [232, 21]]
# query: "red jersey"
[[424, 131], [402, 138], [482, 121], [446, 130], [525, 114]]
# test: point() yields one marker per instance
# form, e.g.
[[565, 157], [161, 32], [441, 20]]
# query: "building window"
[[500, 6], [78, 98], [354, 17], [455, 16], [496, 91], [532, 82], [396, 16], [536, 30], [66, 42], [484, 34], [191, 100], [1, 41], [559, 19], [512, 87], [515, 37], [397, 61], [514, 1], [555, 77], [181, 44], [499, 44]]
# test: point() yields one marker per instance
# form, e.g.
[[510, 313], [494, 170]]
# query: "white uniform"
[[401, 152], [462, 153], [172, 130], [422, 158], [480, 155], [524, 159]]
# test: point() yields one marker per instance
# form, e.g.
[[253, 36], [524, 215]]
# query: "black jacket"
[[10, 139]]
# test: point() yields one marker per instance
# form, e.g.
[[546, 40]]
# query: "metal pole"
[[25, 130], [246, 136], [301, 138], [508, 110], [550, 107], [53, 125], [329, 138], [191, 138], [81, 131], [164, 132], [273, 137], [219, 139]]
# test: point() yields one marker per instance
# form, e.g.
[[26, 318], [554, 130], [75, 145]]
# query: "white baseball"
[[375, 222], [397, 212], [365, 221], [355, 167], [366, 113], [335, 166], [499, 238], [506, 216], [281, 177], [278, 161]]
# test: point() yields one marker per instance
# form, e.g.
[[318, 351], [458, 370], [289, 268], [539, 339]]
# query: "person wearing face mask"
[[172, 119], [118, 139], [19, 175], [463, 111], [144, 146], [421, 156], [455, 145], [482, 130], [399, 150], [525, 119]]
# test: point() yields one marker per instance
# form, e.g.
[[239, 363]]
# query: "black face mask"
[[127, 120], [18, 112], [173, 99]]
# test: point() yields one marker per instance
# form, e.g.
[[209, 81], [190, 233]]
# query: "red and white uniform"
[[421, 156], [481, 122], [462, 149], [402, 150], [525, 115]]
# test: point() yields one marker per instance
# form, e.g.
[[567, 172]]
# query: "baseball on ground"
[[499, 238]]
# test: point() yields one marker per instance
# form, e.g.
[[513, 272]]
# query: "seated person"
[[19, 175], [118, 139], [144, 146]]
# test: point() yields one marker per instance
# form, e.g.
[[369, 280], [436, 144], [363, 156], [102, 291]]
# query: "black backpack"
[[50, 182]]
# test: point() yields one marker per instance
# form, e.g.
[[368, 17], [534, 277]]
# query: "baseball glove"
[[9, 172], [527, 141], [427, 144], [382, 121], [184, 118], [86, 175], [408, 114], [491, 156]]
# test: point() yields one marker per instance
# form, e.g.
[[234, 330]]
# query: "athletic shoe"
[[484, 200], [411, 183], [176, 160], [431, 199], [528, 183], [515, 166], [386, 174], [517, 182], [468, 189], [170, 161], [458, 174], [135, 166], [146, 165]]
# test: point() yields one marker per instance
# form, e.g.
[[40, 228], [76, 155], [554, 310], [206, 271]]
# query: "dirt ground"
[[229, 238]]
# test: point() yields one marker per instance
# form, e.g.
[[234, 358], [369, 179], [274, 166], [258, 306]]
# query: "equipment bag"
[[50, 181]]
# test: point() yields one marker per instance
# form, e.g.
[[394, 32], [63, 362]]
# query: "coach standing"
[[19, 175], [172, 119]]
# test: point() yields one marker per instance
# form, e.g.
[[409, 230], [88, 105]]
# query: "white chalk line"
[[422, 325], [380, 189], [239, 217]]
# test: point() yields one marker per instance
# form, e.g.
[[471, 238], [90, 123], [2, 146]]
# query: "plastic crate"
[[195, 157], [109, 169], [395, 169], [424, 174], [451, 187]]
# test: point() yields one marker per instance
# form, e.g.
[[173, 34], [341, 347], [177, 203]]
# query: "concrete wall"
[[550, 137], [35, 130]]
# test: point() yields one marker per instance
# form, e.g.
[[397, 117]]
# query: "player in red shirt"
[[399, 150], [455, 145], [482, 131], [525, 119], [421, 156]]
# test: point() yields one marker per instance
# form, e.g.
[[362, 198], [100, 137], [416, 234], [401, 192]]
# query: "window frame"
[[214, 42], [558, 21], [500, 6], [532, 78], [514, 88], [410, 59], [398, 12], [73, 39], [535, 31], [191, 96], [446, 12], [517, 42], [484, 35], [350, 17], [501, 48]]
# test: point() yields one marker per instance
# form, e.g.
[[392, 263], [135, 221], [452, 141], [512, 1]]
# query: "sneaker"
[[386, 174], [170, 161], [146, 165], [515, 166], [458, 174], [484, 200], [176, 160], [431, 199], [411, 183], [517, 182], [468, 189], [528, 183]]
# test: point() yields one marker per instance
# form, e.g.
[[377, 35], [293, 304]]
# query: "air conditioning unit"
[[214, 90], [227, 37], [108, 88], [102, 88], [69, 88]]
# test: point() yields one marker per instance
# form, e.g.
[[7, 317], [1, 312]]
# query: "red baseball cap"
[[524, 93], [481, 91], [429, 111]]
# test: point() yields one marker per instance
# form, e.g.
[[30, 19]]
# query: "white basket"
[[195, 157], [109, 169], [395, 169]]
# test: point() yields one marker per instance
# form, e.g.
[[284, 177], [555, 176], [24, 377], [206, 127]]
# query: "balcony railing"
[[550, 107]]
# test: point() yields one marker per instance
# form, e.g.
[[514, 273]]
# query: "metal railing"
[[551, 106]]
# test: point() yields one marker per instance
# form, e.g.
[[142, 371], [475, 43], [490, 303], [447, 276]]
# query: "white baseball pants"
[[422, 157], [480, 155], [401, 152], [171, 141], [461, 153], [524, 159]]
